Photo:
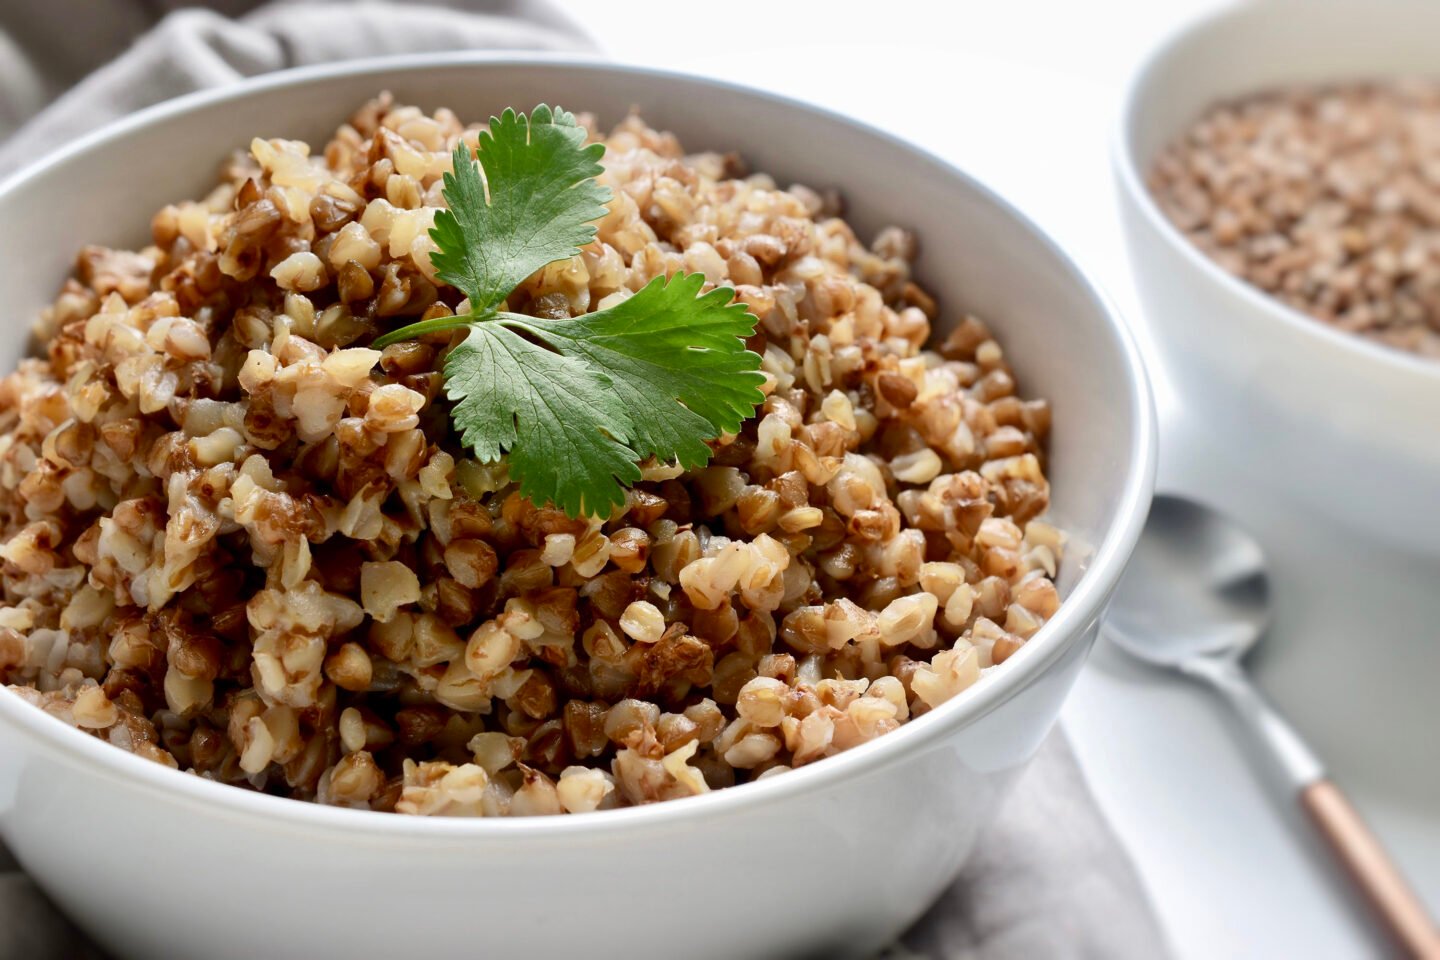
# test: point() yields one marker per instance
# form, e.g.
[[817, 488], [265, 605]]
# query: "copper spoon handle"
[[1372, 870]]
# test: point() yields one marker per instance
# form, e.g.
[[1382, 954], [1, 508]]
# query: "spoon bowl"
[[1196, 587], [1196, 599]]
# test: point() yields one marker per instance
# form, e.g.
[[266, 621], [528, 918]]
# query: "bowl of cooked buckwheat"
[[1277, 168], [496, 488]]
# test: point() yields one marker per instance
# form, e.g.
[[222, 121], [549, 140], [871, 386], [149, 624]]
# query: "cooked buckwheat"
[[239, 541]]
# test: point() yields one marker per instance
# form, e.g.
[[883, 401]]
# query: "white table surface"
[[1022, 94]]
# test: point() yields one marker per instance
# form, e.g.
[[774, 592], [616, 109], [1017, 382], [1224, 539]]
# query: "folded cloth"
[[191, 49], [1049, 879], [30, 926]]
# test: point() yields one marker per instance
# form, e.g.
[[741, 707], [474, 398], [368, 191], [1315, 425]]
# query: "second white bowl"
[[1350, 426]]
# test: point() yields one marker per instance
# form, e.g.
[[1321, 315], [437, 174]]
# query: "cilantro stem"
[[574, 403], [435, 325]]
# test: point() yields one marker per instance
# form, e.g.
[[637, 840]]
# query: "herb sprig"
[[575, 403]]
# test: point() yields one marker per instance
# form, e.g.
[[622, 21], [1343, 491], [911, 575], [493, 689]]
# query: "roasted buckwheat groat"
[[239, 541]]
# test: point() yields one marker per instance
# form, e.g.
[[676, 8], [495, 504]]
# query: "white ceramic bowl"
[[1350, 426], [831, 860]]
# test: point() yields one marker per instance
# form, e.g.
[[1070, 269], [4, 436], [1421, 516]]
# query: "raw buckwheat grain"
[[1326, 198]]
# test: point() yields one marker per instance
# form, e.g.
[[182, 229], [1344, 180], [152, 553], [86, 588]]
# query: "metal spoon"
[[1195, 598]]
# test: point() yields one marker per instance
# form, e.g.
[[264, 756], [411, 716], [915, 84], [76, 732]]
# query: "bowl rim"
[[1127, 167], [1080, 609]]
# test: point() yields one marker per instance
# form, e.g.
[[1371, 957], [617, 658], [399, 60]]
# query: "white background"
[[1023, 95]]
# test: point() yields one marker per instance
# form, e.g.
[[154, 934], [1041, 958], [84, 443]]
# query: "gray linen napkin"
[[1049, 880], [49, 92]]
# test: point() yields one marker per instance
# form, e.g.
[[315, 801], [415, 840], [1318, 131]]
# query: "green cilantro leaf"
[[561, 423], [573, 403], [678, 363], [540, 206]]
